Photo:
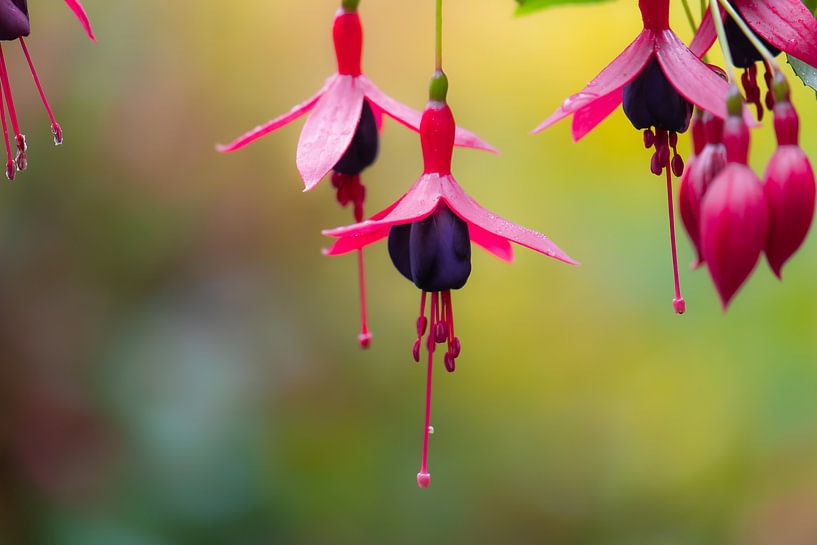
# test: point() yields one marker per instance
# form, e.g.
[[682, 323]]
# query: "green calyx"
[[780, 88], [438, 91], [734, 102], [350, 6]]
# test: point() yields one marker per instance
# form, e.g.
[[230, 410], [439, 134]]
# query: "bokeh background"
[[178, 361]]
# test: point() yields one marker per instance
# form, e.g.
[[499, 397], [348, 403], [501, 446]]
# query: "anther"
[[11, 170], [22, 156], [422, 324], [56, 130], [456, 347], [649, 138], [450, 364], [441, 332], [415, 351]]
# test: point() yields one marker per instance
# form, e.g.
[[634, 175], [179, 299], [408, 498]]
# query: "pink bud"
[[734, 224], [699, 175], [790, 192]]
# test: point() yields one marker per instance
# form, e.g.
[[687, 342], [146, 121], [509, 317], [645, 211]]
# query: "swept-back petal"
[[588, 118], [416, 204], [690, 76], [79, 11], [275, 124], [706, 35], [329, 130], [494, 244], [786, 24], [352, 243], [470, 211], [411, 118], [615, 76]]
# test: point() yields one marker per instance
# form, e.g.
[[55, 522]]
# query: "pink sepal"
[[589, 117], [706, 35], [411, 118], [786, 24], [329, 130], [275, 124], [79, 11], [615, 76]]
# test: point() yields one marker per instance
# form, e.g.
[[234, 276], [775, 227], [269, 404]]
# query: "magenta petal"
[[275, 124], [494, 244], [352, 243], [470, 211], [79, 11], [692, 78], [705, 36], [411, 118], [416, 204], [786, 24], [586, 119], [615, 76], [329, 130]]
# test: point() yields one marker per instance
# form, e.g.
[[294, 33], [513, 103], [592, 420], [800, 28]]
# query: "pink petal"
[[786, 24], [615, 76], [352, 243], [79, 11], [586, 119], [277, 123], [416, 204], [411, 118], [498, 246], [470, 211], [329, 130], [691, 77], [705, 36]]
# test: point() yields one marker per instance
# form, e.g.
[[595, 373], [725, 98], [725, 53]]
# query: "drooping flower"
[[15, 25], [788, 184], [700, 172], [781, 25], [430, 230], [658, 80], [341, 133], [734, 219]]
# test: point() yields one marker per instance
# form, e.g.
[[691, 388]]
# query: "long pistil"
[[424, 477], [56, 130], [678, 303]]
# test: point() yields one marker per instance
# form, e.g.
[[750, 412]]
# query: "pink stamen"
[[365, 337], [678, 303], [422, 324], [11, 167], [20, 139], [424, 477], [56, 130]]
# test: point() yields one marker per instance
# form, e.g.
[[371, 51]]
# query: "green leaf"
[[811, 4], [804, 71], [529, 6]]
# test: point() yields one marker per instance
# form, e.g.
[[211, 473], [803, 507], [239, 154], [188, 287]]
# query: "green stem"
[[764, 51], [690, 17], [439, 55], [727, 52]]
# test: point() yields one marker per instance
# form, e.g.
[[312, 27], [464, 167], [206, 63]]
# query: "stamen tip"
[[56, 130], [364, 339], [423, 480], [11, 170], [679, 305]]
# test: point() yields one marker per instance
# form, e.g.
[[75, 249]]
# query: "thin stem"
[[727, 51], [762, 49], [678, 303], [703, 9], [439, 50], [690, 17]]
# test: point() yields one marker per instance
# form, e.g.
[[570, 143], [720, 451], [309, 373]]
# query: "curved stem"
[[750, 35], [439, 48], [727, 51], [690, 17]]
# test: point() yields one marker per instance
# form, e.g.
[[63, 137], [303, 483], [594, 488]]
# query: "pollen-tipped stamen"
[[11, 166], [752, 89], [454, 346], [22, 158], [56, 130], [424, 477], [422, 325]]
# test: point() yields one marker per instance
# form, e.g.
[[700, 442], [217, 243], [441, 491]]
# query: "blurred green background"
[[178, 362]]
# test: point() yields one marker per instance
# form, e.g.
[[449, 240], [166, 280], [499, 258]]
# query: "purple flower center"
[[14, 19], [650, 100], [365, 145]]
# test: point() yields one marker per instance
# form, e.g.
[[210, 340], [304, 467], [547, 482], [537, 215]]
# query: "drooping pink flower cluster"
[[15, 26]]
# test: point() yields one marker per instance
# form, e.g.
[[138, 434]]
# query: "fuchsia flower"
[[734, 217], [15, 25], [335, 111], [788, 185], [430, 230], [700, 172], [341, 133], [782, 25], [657, 79]]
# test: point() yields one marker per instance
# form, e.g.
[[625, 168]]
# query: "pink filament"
[[423, 477], [678, 303], [4, 78], [54, 123], [365, 336], [10, 168]]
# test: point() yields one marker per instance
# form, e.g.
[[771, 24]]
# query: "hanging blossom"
[[430, 230], [341, 133], [657, 79], [15, 25], [781, 25]]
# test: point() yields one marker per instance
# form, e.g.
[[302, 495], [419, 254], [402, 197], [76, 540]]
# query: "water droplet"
[[431, 430]]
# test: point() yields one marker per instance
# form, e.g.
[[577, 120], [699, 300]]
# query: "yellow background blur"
[[178, 361]]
